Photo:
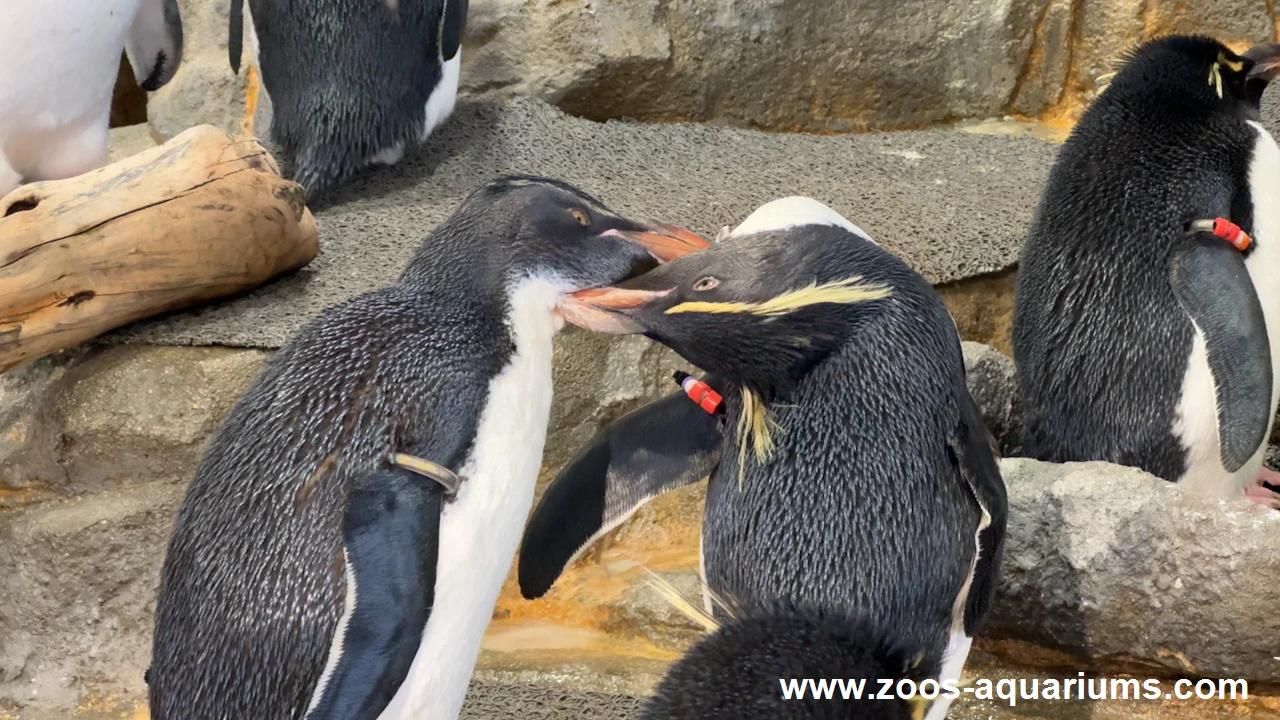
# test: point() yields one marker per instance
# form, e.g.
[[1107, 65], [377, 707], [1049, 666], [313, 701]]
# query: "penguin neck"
[[484, 287]]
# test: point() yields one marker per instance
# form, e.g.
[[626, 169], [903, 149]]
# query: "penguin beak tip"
[[664, 242], [1266, 61], [604, 309]]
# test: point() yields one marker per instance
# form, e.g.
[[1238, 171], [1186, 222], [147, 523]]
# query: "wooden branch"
[[203, 216]]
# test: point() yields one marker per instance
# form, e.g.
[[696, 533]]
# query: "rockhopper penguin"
[[352, 83], [850, 470], [312, 572], [58, 63], [1148, 300]]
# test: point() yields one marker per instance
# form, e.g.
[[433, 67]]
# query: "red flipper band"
[[1232, 233], [699, 392]]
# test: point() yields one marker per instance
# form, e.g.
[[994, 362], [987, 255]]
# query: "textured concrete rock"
[[779, 64], [813, 65], [30, 432], [1112, 565], [982, 307], [204, 91], [123, 142], [98, 418], [993, 383], [1106, 29], [952, 204], [77, 596]]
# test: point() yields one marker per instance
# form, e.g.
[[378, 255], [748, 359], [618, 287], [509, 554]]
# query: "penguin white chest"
[[1196, 422], [58, 63], [480, 529]]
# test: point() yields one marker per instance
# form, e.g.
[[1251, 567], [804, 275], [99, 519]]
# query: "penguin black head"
[[553, 230], [789, 286], [1197, 72]]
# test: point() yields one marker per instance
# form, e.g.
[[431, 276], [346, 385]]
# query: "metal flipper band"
[[447, 478]]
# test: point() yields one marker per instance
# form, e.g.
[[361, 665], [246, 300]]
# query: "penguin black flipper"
[[454, 22], [667, 444], [235, 36], [391, 536], [1209, 278], [977, 464]]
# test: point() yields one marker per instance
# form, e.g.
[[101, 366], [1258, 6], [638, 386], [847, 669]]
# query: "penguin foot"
[[1263, 496], [1267, 476]]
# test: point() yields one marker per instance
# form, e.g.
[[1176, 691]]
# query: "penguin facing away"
[[352, 84], [58, 63], [1147, 313], [849, 470], [339, 551]]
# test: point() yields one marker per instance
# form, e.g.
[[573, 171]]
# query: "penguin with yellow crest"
[[849, 467]]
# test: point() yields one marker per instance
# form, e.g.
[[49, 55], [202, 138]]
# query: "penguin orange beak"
[[664, 242], [1266, 61], [604, 310]]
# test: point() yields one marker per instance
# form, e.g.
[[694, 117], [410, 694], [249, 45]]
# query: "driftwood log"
[[203, 216]]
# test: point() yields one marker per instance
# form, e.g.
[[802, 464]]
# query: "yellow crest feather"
[[1215, 77], [842, 292], [755, 425]]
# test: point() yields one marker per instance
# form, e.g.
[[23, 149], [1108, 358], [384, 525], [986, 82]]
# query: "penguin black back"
[[742, 670], [351, 80], [1099, 337]]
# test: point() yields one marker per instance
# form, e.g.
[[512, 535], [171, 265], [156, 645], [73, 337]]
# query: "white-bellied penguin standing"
[[58, 66], [1147, 318], [340, 549]]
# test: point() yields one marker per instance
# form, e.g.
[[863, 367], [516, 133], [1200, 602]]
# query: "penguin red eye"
[[706, 283], [580, 216]]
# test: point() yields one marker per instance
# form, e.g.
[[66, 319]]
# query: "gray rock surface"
[[993, 383], [77, 597], [93, 418], [1111, 564], [780, 64], [952, 204], [204, 91], [811, 65]]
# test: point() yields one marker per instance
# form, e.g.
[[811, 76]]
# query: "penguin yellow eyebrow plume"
[[756, 425], [843, 292], [1215, 77]]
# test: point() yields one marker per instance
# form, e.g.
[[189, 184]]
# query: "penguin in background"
[[338, 554], [1147, 313], [849, 467], [352, 83], [58, 64]]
